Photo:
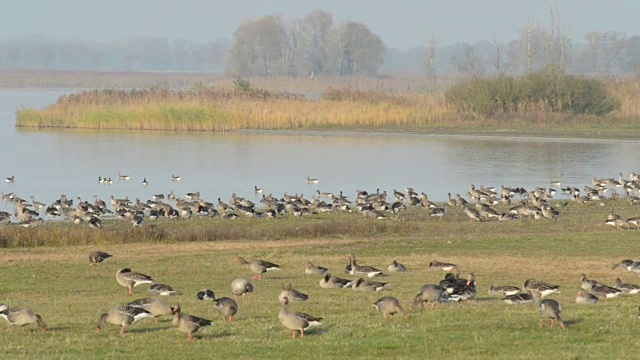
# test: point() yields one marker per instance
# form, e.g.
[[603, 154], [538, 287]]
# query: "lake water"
[[47, 163]]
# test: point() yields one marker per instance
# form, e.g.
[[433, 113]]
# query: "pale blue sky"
[[400, 23]]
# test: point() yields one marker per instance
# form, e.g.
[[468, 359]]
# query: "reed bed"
[[219, 109], [350, 107]]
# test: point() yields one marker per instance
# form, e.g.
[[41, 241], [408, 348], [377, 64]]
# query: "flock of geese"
[[482, 204], [452, 288]]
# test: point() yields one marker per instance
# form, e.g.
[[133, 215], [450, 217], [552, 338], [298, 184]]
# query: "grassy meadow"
[[47, 269]]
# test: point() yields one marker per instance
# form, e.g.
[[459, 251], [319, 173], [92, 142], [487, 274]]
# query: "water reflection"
[[47, 163]]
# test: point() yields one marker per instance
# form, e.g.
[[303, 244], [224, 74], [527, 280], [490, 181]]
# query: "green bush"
[[554, 92]]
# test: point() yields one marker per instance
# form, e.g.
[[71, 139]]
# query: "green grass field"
[[58, 283]]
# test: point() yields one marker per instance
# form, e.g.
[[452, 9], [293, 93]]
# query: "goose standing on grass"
[[550, 309], [396, 267], [130, 279], [258, 267], [429, 293], [296, 321], [312, 180], [585, 298], [241, 287], [225, 306], [333, 282], [162, 290], [311, 269], [628, 288], [97, 257], [601, 290], [122, 315], [21, 316], [472, 214], [370, 271], [389, 305], [188, 323], [157, 307]]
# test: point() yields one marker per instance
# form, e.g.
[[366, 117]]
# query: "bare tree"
[[497, 59], [431, 57], [468, 63]]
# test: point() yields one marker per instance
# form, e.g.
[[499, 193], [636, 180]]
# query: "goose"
[[296, 321], [585, 298], [551, 309], [451, 202], [628, 288], [97, 257], [311, 269], [157, 307], [460, 201], [438, 265], [629, 265], [587, 284], [10, 179], [367, 285], [601, 290], [122, 315], [396, 267], [472, 214], [123, 177], [225, 306], [241, 287], [429, 293], [334, 282], [466, 291], [618, 223], [544, 288], [503, 290], [130, 279], [36, 204], [145, 182], [5, 218], [289, 292], [389, 305], [192, 195], [21, 316], [95, 222], [171, 196], [361, 269], [556, 183], [162, 290], [188, 323], [438, 212], [257, 190], [32, 223], [529, 297], [175, 178], [258, 266], [312, 180]]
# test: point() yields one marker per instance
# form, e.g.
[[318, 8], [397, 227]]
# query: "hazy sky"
[[401, 24]]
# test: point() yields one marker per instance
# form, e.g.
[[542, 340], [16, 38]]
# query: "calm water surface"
[[47, 163]]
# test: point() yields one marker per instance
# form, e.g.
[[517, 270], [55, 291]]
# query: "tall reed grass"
[[219, 109], [350, 107]]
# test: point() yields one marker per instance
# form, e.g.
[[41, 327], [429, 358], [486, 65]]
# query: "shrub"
[[554, 92]]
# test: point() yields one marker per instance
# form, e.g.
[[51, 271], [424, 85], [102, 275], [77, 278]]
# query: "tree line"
[[317, 45]]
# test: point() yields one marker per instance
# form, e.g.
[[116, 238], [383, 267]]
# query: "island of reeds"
[[545, 100]]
